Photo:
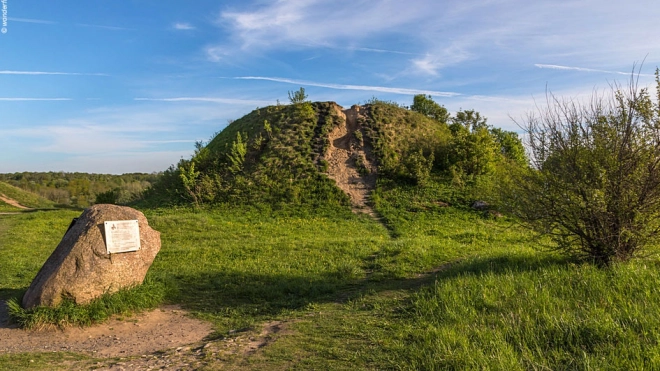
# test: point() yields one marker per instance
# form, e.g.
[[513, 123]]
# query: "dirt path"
[[163, 339], [144, 333], [11, 202], [348, 161]]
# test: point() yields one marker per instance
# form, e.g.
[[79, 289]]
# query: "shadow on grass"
[[242, 298], [6, 294], [265, 295]]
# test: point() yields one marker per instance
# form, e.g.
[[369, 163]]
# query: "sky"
[[121, 86]]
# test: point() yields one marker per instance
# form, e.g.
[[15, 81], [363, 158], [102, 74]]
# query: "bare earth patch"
[[168, 327], [11, 202], [163, 339], [349, 163]]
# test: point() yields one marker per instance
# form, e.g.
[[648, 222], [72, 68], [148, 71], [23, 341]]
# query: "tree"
[[425, 105], [595, 182], [470, 119], [472, 149], [299, 96], [511, 146]]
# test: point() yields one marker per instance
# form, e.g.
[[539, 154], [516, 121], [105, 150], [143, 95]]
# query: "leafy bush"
[[595, 186]]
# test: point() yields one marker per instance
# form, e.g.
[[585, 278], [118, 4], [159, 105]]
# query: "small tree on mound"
[[595, 182], [297, 97]]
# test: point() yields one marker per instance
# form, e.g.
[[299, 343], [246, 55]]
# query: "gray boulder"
[[480, 205], [80, 267]]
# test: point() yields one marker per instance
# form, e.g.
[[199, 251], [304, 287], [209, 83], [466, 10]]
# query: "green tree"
[[595, 182], [472, 150], [425, 105], [469, 119], [299, 96], [511, 147]]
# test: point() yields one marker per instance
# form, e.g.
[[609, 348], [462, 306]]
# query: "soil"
[[11, 202], [144, 333], [350, 163], [165, 339]]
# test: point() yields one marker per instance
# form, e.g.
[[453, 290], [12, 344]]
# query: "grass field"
[[434, 288]]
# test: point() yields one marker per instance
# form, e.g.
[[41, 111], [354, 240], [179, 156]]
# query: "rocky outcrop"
[[80, 267]]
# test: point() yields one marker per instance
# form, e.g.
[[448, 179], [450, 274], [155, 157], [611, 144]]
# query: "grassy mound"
[[23, 197], [276, 155]]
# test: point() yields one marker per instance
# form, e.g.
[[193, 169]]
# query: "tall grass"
[[521, 313]]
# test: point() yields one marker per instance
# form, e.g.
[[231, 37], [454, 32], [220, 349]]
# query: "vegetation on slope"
[[24, 198], [275, 155], [269, 156]]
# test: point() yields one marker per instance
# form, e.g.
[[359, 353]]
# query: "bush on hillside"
[[595, 185]]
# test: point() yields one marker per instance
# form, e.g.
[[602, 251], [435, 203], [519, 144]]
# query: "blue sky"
[[129, 86]]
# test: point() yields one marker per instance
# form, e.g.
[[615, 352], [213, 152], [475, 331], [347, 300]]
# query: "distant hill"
[[14, 198]]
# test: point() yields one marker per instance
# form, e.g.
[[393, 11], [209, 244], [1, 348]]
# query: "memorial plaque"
[[122, 236]]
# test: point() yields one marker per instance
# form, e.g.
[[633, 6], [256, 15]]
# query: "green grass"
[[357, 294], [24, 198]]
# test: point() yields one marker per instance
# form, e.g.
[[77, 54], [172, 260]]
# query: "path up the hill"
[[350, 162]]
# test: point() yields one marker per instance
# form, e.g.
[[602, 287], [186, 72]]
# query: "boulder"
[[480, 205], [80, 267]]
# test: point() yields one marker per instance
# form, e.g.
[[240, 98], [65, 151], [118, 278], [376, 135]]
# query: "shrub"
[[595, 182]]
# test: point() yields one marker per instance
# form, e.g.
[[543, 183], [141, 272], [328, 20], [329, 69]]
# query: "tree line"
[[82, 189]]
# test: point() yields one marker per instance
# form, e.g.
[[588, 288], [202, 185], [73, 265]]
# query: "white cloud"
[[381, 89], [450, 32], [320, 20], [582, 69], [183, 26], [28, 20]]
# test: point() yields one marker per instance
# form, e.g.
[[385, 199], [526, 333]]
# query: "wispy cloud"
[[28, 20], [381, 89], [581, 69], [431, 63], [33, 99], [375, 50], [247, 102], [8, 72], [183, 26], [112, 28], [215, 53], [319, 20]]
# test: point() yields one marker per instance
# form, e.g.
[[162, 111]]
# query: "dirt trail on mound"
[[165, 328], [349, 161], [11, 202]]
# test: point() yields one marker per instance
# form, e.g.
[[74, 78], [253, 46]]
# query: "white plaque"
[[122, 236]]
